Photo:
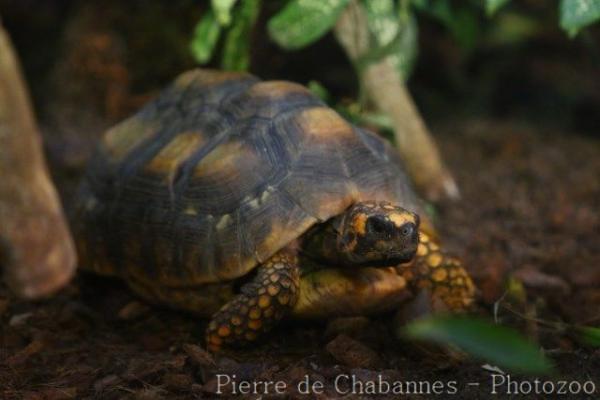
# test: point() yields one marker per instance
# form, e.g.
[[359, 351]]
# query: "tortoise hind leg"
[[261, 304], [204, 301]]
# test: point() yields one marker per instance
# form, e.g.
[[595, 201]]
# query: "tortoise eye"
[[407, 229]]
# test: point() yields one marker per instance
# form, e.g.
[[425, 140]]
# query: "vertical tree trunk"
[[384, 86], [36, 249]]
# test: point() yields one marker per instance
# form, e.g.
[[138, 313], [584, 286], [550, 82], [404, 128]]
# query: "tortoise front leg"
[[260, 305], [449, 285]]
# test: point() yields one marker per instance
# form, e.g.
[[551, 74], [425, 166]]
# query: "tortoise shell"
[[220, 172]]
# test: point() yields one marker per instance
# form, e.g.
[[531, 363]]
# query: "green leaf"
[[439, 9], [491, 6], [420, 4], [319, 90], [575, 14], [460, 21], [394, 33], [511, 28], [222, 9], [494, 343], [590, 335], [301, 22], [236, 50], [206, 35], [465, 27]]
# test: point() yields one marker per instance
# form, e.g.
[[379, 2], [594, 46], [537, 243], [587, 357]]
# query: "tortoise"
[[248, 201]]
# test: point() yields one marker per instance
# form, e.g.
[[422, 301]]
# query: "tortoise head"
[[377, 234]]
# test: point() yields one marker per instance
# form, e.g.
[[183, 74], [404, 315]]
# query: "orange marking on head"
[[236, 320], [400, 219], [359, 223]]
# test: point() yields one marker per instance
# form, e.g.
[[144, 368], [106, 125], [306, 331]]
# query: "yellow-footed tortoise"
[[249, 201]]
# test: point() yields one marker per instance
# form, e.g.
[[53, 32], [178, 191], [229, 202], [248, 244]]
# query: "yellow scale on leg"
[[261, 303], [442, 275]]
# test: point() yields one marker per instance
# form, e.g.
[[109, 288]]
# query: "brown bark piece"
[[36, 249]]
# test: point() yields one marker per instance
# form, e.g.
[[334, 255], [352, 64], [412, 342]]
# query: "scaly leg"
[[260, 305], [448, 283]]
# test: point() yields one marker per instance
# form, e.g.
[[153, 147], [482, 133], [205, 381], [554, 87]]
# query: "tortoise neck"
[[320, 242]]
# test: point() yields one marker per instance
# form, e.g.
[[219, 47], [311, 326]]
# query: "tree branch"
[[37, 252], [384, 86]]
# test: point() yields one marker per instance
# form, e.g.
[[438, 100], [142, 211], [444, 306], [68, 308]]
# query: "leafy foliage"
[[222, 10], [302, 22], [236, 50], [491, 6], [392, 25], [394, 31], [237, 24], [494, 343], [576, 14], [320, 91], [206, 35], [460, 21], [590, 335]]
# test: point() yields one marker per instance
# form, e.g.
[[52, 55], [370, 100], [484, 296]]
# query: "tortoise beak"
[[406, 256]]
